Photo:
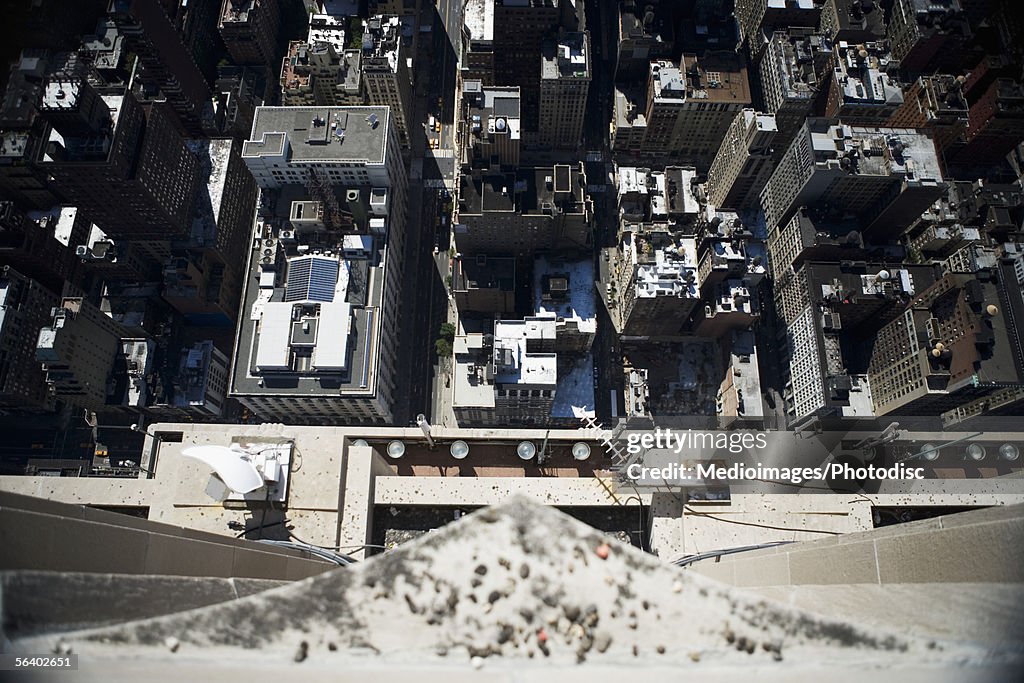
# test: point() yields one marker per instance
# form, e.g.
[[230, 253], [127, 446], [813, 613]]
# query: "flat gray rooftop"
[[314, 133]]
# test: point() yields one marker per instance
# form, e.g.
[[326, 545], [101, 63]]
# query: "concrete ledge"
[[44, 535], [983, 546], [46, 602]]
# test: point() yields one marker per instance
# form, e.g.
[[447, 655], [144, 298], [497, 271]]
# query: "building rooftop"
[[860, 72], [192, 377], [326, 29], [320, 134], [312, 311], [569, 59], [860, 15], [493, 111], [473, 377], [479, 19], [236, 11], [484, 272], [555, 189], [982, 347], [214, 156], [714, 77], [796, 59], [741, 389], [513, 362], [105, 47], [673, 271], [574, 395], [565, 289], [877, 151], [381, 43]]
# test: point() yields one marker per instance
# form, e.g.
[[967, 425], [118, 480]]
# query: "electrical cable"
[[755, 524]]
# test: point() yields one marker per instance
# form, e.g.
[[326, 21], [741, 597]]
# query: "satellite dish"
[[396, 449], [580, 450], [929, 451], [361, 443], [1009, 452], [526, 450], [232, 466], [459, 449]]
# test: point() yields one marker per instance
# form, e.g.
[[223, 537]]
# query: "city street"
[[424, 296]]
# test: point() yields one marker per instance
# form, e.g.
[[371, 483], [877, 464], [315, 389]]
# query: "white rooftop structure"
[[513, 364], [273, 351], [314, 321], [329, 29], [673, 273], [668, 81], [333, 328], [479, 19]]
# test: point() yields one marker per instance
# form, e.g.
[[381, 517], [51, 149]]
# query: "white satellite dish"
[[233, 467]]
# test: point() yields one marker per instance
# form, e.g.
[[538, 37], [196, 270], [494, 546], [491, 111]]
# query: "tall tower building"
[[690, 107], [744, 163], [166, 61], [889, 176], [522, 28], [793, 74], [249, 30], [478, 42], [77, 350], [24, 310], [123, 164], [564, 84], [955, 343], [386, 75], [927, 36]]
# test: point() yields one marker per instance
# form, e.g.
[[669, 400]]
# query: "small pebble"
[[602, 640], [477, 662], [677, 587], [481, 569], [542, 636], [302, 652], [524, 570], [695, 656], [172, 643], [334, 648], [603, 551], [661, 649]]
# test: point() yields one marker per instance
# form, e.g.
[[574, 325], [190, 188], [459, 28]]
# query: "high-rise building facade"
[[166, 62], [249, 30], [928, 36], [689, 108], [77, 351], [955, 343], [125, 165], [24, 310], [564, 85], [522, 27], [744, 163], [386, 78]]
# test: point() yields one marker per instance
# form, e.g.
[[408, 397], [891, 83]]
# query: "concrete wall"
[[981, 546], [41, 534]]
